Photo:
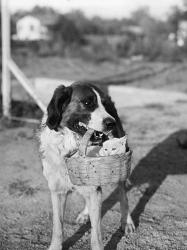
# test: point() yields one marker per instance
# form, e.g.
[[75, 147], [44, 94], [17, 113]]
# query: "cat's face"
[[114, 146]]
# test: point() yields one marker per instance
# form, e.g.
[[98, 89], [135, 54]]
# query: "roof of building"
[[45, 20]]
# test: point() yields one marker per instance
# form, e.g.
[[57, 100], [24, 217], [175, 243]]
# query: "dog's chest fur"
[[54, 146]]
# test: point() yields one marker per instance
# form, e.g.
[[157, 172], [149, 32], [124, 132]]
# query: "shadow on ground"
[[167, 158]]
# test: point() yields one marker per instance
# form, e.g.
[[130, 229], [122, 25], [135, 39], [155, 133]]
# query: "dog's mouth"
[[97, 138], [80, 128]]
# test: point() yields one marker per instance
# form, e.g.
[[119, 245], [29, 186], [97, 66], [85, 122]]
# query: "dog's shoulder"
[[58, 142]]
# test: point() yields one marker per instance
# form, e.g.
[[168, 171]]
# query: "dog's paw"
[[82, 218], [128, 227]]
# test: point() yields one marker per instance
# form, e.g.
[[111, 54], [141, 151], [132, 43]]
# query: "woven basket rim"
[[94, 158]]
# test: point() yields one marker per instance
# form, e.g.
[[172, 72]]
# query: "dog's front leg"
[[126, 220], [94, 202], [58, 204]]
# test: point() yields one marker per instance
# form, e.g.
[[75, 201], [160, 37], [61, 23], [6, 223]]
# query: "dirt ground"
[[158, 197]]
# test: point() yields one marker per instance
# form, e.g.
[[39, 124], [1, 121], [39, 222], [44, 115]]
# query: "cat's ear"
[[123, 140]]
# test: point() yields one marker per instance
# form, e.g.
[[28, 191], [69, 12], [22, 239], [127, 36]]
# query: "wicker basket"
[[97, 171]]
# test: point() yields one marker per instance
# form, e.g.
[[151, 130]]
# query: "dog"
[[70, 112]]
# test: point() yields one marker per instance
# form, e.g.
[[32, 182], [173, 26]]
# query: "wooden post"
[[6, 85], [25, 83]]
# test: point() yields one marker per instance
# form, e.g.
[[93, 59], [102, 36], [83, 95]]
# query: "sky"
[[103, 8]]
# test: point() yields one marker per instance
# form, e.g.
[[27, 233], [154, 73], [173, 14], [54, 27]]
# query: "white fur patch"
[[62, 141], [54, 146], [98, 115]]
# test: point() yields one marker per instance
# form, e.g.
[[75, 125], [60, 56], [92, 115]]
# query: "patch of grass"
[[156, 106], [20, 188], [181, 101], [172, 113], [19, 109]]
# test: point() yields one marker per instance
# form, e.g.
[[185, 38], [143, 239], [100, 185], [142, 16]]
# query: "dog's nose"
[[109, 123]]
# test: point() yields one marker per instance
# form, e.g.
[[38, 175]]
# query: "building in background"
[[182, 33], [30, 28]]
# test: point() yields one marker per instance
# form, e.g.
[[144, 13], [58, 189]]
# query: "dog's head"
[[81, 106]]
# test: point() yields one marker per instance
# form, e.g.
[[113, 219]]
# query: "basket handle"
[[84, 142]]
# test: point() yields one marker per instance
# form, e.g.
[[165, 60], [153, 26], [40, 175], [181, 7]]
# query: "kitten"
[[114, 146]]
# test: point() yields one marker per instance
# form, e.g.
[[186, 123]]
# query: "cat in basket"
[[113, 146], [110, 147]]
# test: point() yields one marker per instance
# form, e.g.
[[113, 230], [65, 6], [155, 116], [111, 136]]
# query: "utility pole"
[[6, 83]]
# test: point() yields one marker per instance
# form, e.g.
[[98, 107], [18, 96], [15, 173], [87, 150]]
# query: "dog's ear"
[[57, 105]]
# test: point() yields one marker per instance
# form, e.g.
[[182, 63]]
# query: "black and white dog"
[[70, 111]]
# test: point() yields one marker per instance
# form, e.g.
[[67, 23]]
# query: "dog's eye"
[[88, 102]]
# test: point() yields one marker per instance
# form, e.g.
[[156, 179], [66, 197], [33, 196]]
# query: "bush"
[[160, 49], [170, 52], [95, 52], [103, 52]]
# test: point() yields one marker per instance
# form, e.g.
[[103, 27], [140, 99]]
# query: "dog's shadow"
[[167, 158]]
